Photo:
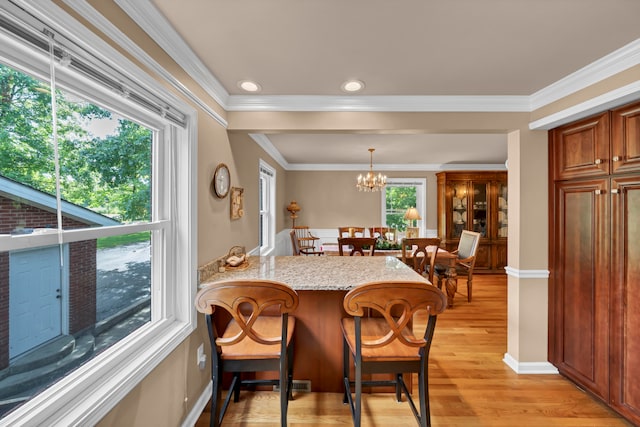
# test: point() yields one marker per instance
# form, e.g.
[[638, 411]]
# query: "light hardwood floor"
[[469, 383]]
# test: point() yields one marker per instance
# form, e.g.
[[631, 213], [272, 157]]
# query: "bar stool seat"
[[258, 337], [380, 339]]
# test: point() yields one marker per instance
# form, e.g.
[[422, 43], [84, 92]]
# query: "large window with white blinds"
[[97, 229]]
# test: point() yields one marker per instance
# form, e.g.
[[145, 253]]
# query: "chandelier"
[[371, 181]]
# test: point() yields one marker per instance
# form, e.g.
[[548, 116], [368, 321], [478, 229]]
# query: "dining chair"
[[350, 231], [297, 250], [420, 253], [384, 342], [259, 337], [358, 246], [378, 232], [306, 240], [465, 261]]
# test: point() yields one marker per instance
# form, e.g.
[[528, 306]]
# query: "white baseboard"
[[543, 368], [198, 408]]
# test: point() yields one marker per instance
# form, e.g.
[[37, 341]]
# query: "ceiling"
[[405, 51]]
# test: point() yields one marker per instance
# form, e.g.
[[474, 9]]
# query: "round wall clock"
[[221, 180]]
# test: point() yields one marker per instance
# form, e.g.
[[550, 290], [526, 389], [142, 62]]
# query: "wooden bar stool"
[[387, 344], [259, 337]]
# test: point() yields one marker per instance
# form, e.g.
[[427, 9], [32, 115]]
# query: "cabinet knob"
[[599, 192], [614, 191], [598, 161], [616, 158]]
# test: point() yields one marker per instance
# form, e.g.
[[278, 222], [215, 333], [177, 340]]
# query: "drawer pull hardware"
[[598, 161], [616, 158]]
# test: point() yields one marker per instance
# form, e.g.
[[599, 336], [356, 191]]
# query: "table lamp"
[[412, 215], [294, 209]]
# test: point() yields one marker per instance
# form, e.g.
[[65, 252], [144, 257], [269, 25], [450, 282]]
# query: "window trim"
[[86, 395], [266, 169]]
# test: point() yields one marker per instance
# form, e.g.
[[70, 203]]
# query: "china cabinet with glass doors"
[[475, 201]]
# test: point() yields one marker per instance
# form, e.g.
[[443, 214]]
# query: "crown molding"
[[145, 14], [265, 143], [378, 103], [595, 105], [624, 58], [405, 167], [149, 18], [99, 21]]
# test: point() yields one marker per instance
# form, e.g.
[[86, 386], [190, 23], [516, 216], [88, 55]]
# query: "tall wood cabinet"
[[475, 201], [594, 287]]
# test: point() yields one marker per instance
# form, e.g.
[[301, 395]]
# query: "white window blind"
[[24, 27]]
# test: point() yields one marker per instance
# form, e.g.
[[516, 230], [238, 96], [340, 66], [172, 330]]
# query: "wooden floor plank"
[[469, 383]]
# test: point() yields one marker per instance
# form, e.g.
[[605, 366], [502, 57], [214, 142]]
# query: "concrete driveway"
[[123, 278]]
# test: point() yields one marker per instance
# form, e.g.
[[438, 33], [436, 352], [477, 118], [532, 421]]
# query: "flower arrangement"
[[382, 244]]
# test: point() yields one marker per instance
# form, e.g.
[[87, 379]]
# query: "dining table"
[[321, 284]]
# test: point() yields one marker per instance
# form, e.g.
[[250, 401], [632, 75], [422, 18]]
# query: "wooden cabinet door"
[[501, 255], [625, 139], [579, 284], [625, 327], [581, 149], [459, 201], [483, 257]]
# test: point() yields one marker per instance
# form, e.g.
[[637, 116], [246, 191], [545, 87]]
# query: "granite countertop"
[[321, 272]]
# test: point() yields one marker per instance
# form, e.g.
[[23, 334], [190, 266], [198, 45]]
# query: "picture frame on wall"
[[237, 202]]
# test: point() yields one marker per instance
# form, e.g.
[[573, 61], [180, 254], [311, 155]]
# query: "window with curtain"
[[95, 194]]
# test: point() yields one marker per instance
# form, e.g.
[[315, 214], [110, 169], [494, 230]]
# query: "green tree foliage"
[[398, 200], [108, 173], [25, 130]]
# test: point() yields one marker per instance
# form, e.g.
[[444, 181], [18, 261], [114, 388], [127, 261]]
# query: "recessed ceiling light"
[[352, 86], [249, 86]]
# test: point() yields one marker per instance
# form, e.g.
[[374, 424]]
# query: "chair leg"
[[215, 397], [423, 390], [290, 371], [398, 387], [469, 287], [236, 390], [284, 389], [345, 370], [357, 416]]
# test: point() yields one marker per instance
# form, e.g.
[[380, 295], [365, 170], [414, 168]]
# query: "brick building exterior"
[[18, 214]]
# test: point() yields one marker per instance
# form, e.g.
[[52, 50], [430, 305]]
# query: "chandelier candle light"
[[371, 181]]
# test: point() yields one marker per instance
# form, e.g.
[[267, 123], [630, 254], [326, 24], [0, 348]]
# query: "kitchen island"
[[321, 283]]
